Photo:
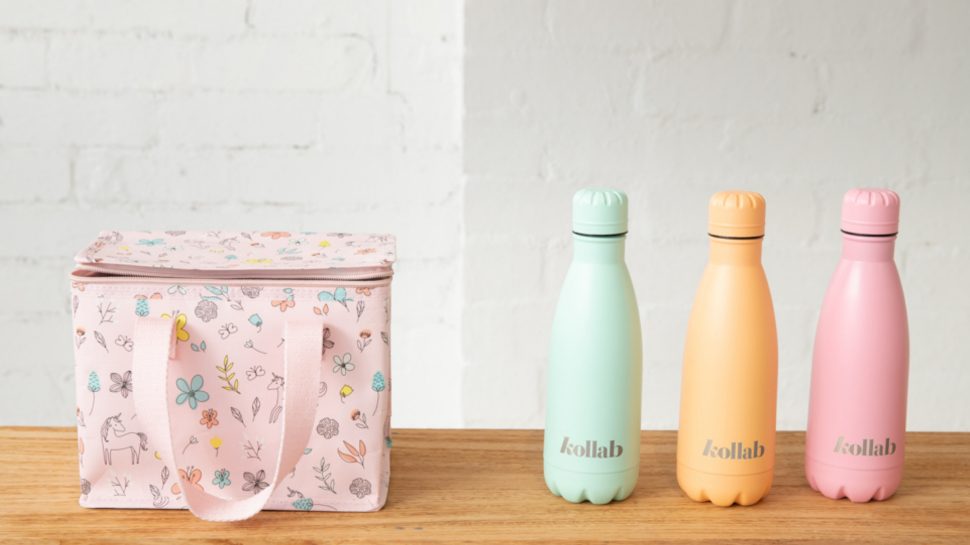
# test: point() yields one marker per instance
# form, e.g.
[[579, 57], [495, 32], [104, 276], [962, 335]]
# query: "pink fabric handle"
[[155, 351]]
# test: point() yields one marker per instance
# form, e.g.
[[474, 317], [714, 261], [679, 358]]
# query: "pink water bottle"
[[857, 413]]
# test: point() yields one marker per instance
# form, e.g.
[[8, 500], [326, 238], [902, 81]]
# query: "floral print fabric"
[[239, 250], [226, 391]]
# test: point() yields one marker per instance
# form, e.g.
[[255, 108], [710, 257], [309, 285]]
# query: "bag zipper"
[[133, 272]]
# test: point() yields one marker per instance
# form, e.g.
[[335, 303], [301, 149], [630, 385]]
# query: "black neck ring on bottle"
[[725, 237], [611, 235], [869, 235]]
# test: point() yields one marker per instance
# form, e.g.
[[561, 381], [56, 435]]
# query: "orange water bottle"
[[726, 441]]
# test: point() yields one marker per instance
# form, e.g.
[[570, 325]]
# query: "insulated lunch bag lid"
[[242, 254]]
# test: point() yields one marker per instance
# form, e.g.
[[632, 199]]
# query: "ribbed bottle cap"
[[868, 211], [599, 211], [736, 214]]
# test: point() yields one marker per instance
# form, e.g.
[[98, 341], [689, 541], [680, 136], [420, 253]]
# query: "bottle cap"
[[868, 211], [736, 214], [599, 211]]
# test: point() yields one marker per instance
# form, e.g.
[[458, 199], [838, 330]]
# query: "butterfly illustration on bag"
[[227, 329], [255, 372], [125, 342], [284, 304], [152, 242], [338, 295]]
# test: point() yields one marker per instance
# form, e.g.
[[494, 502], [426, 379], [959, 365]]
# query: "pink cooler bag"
[[233, 372]]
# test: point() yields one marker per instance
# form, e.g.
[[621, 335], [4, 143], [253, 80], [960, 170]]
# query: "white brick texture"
[[136, 114], [674, 100], [464, 127]]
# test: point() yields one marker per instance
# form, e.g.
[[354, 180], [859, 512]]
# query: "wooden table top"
[[486, 486]]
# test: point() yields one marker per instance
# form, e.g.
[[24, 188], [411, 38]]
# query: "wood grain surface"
[[478, 486]]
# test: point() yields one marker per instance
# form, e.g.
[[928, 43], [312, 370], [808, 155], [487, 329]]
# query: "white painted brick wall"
[[674, 100], [464, 128], [228, 114]]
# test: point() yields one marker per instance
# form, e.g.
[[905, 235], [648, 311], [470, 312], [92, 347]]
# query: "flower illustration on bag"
[[122, 384], [342, 364], [151, 242], [275, 235], [364, 339], [378, 385], [360, 487], [345, 391], [209, 418], [359, 419], [193, 440], [328, 427], [192, 393], [180, 321], [252, 346], [255, 483], [221, 478], [94, 386], [257, 321], [206, 310], [216, 442]]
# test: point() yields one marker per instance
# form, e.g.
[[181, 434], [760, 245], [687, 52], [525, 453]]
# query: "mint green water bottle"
[[592, 436]]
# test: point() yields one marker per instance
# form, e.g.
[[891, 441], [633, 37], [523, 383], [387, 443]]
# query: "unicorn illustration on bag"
[[121, 440], [275, 384]]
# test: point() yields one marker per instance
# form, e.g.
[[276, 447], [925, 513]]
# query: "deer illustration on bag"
[[133, 441]]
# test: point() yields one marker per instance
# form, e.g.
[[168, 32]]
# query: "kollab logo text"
[[591, 449], [866, 447], [734, 451]]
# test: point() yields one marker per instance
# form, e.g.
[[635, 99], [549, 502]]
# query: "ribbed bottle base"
[[598, 488], [858, 485], [724, 490]]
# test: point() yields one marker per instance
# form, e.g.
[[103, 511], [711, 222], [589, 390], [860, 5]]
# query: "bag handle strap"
[[154, 354]]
